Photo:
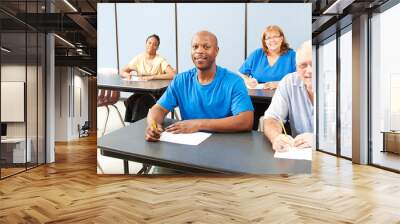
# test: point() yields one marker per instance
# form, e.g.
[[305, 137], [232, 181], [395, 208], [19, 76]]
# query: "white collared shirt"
[[291, 101]]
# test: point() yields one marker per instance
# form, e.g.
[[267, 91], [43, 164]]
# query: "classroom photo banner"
[[126, 32]]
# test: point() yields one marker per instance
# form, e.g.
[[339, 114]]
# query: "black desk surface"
[[261, 95], [114, 82], [246, 152]]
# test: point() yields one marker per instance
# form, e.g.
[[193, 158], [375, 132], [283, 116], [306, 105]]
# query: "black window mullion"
[[26, 87], [37, 90], [0, 94], [316, 97], [338, 78], [369, 79]]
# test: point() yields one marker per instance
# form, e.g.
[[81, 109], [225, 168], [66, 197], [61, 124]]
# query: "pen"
[[154, 125], [283, 126]]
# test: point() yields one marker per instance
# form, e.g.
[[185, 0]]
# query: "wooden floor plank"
[[70, 191]]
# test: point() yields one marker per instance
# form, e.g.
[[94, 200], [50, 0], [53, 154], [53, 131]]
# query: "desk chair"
[[83, 130], [108, 98], [137, 106]]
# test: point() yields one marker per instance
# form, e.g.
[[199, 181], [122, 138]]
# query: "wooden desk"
[[246, 152], [13, 150], [391, 141]]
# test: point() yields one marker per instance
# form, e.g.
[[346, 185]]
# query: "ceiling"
[[76, 22]]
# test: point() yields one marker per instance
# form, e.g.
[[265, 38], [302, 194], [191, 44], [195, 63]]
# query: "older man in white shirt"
[[293, 99]]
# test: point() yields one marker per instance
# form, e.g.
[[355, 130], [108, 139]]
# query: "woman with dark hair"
[[270, 63], [149, 65]]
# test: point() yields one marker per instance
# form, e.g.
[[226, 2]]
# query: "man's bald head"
[[205, 33], [204, 50]]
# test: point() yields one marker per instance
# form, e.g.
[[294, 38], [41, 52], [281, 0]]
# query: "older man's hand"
[[304, 140], [282, 142]]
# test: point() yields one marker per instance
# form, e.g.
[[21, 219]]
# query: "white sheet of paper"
[[185, 139], [295, 153], [135, 79], [259, 86]]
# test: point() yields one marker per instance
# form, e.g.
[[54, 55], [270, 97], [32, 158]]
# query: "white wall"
[[13, 101], [133, 31], [106, 43], [79, 117], [138, 21], [61, 103], [50, 94], [14, 72], [227, 20], [294, 19], [67, 116]]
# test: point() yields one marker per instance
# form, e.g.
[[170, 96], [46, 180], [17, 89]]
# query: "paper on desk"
[[185, 139], [259, 86], [295, 153], [135, 79]]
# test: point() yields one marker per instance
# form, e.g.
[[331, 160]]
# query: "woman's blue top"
[[257, 66]]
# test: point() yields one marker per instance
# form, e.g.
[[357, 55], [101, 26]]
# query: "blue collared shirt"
[[291, 101]]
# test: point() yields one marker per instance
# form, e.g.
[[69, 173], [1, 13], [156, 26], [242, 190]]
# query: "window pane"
[[385, 90], [327, 96], [346, 94]]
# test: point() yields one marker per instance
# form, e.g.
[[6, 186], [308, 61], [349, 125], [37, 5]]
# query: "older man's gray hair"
[[304, 51]]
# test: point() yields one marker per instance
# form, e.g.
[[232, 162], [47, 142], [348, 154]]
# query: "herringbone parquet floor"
[[70, 191]]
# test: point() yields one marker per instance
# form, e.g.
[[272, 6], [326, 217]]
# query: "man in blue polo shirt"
[[209, 97]]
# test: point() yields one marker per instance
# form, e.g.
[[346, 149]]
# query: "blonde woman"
[[270, 63]]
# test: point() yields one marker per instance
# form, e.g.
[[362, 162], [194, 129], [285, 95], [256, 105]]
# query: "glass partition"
[[22, 90], [13, 89]]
